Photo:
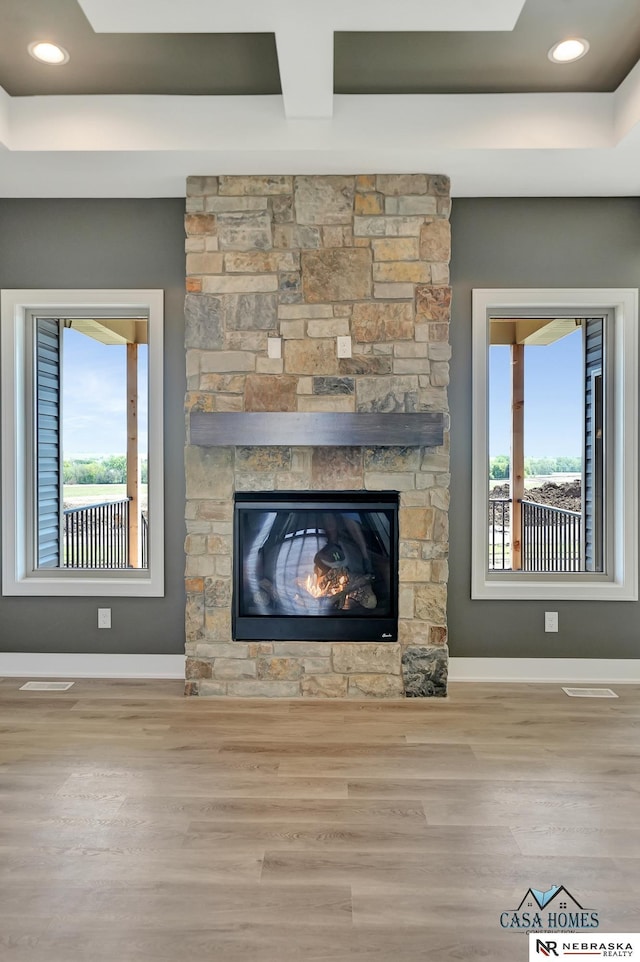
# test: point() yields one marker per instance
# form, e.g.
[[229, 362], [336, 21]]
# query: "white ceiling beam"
[[474, 173], [5, 105], [305, 59], [304, 30], [255, 124], [491, 144], [627, 107], [259, 16]]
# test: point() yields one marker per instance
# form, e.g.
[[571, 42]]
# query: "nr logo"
[[546, 948]]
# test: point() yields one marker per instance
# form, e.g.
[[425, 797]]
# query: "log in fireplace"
[[316, 566]]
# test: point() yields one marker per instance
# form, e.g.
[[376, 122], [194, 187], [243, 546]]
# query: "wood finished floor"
[[137, 825]]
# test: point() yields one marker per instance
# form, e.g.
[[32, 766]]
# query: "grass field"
[[536, 481], [81, 494]]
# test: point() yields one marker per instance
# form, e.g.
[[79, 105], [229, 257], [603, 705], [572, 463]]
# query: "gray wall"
[[496, 243], [529, 243], [107, 244]]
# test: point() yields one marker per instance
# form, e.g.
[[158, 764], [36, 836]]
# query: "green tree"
[[499, 467], [107, 470], [114, 469], [569, 465]]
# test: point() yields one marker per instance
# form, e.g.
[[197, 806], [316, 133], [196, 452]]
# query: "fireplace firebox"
[[316, 566]]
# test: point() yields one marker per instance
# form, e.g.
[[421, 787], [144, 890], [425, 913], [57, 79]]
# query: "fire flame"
[[327, 589]]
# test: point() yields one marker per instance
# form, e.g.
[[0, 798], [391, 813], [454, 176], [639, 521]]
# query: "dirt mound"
[[566, 495]]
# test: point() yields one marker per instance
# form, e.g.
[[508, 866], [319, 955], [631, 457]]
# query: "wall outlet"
[[551, 621], [274, 347], [344, 346], [104, 617]]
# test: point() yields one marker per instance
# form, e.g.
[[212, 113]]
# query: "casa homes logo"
[[550, 911], [606, 945]]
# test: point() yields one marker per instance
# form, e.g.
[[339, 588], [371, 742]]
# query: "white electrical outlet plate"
[[551, 621], [104, 617], [344, 346], [274, 347]]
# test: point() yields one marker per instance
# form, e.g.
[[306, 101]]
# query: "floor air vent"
[[46, 686], [590, 692]]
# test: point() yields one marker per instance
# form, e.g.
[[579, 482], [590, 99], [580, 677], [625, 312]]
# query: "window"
[[555, 444], [82, 466]]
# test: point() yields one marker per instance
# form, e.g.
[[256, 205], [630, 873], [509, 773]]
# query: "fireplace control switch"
[[274, 347], [344, 346]]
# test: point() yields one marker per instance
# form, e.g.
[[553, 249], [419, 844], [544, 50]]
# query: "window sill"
[[95, 584], [588, 588]]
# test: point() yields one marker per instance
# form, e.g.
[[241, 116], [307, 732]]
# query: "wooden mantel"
[[223, 429]]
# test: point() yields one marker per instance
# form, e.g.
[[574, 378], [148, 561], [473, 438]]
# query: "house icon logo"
[[551, 910]]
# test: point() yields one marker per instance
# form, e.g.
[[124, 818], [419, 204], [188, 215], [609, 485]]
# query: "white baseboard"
[[535, 670], [70, 665], [546, 670]]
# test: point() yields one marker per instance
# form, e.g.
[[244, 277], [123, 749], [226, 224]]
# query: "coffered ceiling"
[[157, 89]]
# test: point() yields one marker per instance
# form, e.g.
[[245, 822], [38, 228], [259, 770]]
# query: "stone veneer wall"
[[307, 259]]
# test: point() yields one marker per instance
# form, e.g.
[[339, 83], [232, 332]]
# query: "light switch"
[[274, 347], [344, 346]]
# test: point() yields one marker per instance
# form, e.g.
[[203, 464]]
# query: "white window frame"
[[18, 574], [620, 583]]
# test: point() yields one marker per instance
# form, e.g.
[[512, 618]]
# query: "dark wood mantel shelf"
[[222, 429]]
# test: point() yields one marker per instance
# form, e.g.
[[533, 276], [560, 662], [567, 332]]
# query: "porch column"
[[133, 478], [517, 453]]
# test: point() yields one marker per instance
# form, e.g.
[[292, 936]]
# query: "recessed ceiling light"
[[49, 53], [568, 50]]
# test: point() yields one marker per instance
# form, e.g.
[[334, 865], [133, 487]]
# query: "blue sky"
[[94, 397], [553, 399]]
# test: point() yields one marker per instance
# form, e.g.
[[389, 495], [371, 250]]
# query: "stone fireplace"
[[278, 269]]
